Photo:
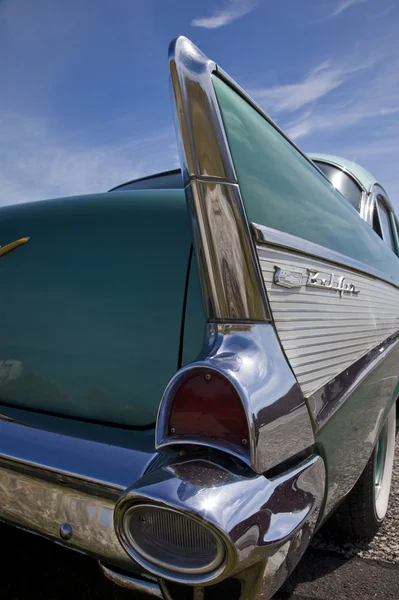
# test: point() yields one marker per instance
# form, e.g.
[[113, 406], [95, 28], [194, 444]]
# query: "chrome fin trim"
[[231, 281]]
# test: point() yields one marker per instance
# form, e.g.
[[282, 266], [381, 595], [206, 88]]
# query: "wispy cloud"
[[235, 9], [344, 5], [37, 163], [320, 82], [374, 97]]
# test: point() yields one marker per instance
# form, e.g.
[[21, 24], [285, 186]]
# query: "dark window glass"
[[165, 181], [342, 182], [376, 224], [383, 213]]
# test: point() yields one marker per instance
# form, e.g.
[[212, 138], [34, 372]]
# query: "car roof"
[[365, 178]]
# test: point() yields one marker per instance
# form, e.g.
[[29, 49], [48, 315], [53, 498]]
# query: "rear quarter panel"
[[92, 304]]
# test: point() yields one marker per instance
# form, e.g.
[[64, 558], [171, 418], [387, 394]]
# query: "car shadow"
[[328, 552]]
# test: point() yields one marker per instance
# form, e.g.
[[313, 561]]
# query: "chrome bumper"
[[72, 491], [66, 488]]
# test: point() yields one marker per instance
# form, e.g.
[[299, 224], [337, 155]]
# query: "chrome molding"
[[66, 488], [262, 522], [230, 277], [364, 394], [326, 401], [267, 236], [368, 205], [324, 331], [250, 356], [134, 584]]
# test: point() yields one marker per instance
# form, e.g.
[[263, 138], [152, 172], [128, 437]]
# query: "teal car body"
[[196, 368], [87, 319]]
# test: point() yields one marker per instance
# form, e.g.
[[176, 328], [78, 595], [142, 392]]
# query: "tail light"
[[206, 405]]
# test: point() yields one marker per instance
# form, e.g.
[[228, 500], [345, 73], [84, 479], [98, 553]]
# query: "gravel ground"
[[384, 547]]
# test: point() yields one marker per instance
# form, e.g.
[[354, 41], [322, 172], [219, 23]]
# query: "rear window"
[[342, 182]]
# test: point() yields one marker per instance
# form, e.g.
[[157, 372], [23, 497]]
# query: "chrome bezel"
[[160, 568], [136, 551]]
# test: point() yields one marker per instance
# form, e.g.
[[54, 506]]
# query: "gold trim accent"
[[13, 245]]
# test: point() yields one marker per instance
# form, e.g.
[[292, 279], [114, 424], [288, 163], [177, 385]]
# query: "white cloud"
[[320, 82], [234, 10], [37, 163], [344, 5], [334, 120], [373, 98], [290, 97]]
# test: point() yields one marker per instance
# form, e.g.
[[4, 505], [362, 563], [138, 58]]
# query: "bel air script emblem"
[[296, 278]]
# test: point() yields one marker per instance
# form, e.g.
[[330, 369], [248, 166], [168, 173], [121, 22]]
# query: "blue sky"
[[85, 103]]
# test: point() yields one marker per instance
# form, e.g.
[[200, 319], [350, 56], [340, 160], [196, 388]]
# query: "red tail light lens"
[[206, 404]]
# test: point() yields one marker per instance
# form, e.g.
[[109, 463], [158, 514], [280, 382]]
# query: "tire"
[[364, 509]]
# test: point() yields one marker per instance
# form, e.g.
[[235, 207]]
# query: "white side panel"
[[322, 331]]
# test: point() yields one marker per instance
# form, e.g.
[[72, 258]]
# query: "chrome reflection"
[[228, 264], [262, 522], [250, 356], [134, 584], [66, 488]]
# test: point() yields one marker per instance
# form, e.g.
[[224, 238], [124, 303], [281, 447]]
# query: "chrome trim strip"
[[250, 356], [360, 397], [231, 282], [325, 402], [133, 584], [273, 237], [368, 205], [51, 483], [255, 517]]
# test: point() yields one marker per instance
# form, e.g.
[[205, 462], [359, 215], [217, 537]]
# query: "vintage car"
[[200, 367]]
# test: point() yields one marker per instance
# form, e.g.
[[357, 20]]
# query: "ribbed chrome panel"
[[322, 331]]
